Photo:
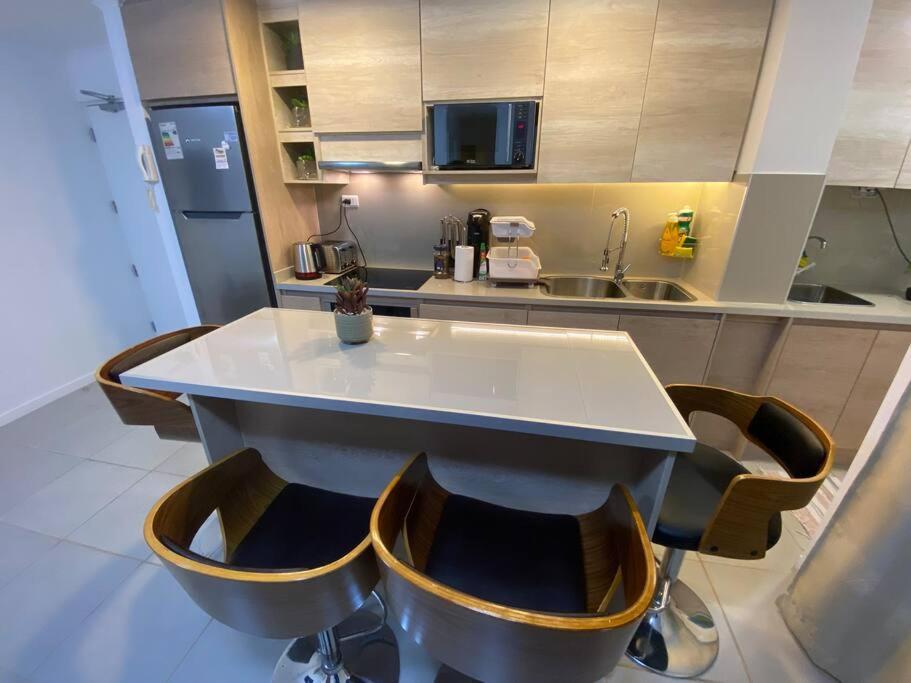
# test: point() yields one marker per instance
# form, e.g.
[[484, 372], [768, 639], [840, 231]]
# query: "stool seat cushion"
[[698, 482], [521, 559], [304, 528]]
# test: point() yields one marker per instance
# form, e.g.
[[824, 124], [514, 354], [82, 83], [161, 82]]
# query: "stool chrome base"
[[677, 638], [372, 657]]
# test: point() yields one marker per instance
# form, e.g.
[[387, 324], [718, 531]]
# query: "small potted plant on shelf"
[[353, 317], [300, 112], [306, 167], [294, 58]]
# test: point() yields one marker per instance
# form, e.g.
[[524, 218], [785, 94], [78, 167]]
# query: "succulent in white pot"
[[353, 317]]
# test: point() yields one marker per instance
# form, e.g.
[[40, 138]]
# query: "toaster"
[[338, 256]]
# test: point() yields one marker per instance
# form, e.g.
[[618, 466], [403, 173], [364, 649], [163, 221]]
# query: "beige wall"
[[861, 255], [399, 218], [719, 210]]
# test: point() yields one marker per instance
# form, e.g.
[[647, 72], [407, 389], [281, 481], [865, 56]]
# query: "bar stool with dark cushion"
[[714, 506], [298, 562], [504, 595], [144, 407]]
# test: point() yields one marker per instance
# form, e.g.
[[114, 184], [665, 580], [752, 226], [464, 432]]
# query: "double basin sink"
[[595, 287], [598, 287]]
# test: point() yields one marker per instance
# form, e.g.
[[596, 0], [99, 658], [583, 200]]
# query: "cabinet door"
[[676, 347], [301, 302], [870, 389], [580, 319], [475, 49], [363, 64], [178, 48], [876, 127], [475, 314], [597, 64], [818, 367], [403, 147], [705, 61]]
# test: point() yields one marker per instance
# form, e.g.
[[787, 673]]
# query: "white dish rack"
[[512, 263]]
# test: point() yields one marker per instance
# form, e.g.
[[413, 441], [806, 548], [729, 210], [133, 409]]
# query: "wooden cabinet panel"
[[818, 367], [597, 65], [475, 314], [872, 384], [876, 127], [904, 177], [178, 48], [301, 302], [705, 61], [581, 319], [475, 49], [363, 64], [403, 147], [676, 347]]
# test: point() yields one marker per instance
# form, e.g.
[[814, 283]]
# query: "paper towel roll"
[[464, 264]]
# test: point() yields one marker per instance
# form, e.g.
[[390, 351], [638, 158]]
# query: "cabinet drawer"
[[475, 314], [581, 319], [302, 302], [382, 148]]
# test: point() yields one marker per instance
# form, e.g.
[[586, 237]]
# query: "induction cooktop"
[[388, 278]]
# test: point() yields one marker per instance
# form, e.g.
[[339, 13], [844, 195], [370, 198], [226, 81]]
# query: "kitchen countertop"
[[886, 309], [576, 384]]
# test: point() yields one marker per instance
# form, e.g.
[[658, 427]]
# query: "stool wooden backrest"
[[492, 642], [268, 603], [143, 407], [739, 527]]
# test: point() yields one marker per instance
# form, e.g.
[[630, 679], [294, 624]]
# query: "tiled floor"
[[82, 600]]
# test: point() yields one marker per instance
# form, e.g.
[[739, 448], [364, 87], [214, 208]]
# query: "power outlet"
[[351, 201]]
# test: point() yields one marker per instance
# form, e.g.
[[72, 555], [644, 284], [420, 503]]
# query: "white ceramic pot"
[[354, 329]]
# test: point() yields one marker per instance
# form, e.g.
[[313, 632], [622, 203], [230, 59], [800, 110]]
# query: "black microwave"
[[483, 135]]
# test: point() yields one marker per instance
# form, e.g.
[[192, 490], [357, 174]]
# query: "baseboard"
[[44, 399]]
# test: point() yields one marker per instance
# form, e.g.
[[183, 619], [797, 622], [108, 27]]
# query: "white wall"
[[67, 294]]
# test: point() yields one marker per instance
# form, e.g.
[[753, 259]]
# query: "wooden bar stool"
[[143, 407], [505, 595], [714, 506], [298, 561]]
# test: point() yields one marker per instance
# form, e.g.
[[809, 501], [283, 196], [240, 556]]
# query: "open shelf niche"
[[282, 42], [282, 97]]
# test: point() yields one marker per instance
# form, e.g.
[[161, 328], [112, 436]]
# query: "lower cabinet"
[[677, 347], [302, 302], [581, 319], [475, 314]]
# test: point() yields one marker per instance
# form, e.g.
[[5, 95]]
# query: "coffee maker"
[[478, 233]]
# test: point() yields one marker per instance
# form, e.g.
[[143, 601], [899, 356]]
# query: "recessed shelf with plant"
[[282, 40], [292, 108]]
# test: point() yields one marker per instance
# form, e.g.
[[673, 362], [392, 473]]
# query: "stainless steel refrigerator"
[[206, 177]]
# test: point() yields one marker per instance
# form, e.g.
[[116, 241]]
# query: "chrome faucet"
[[823, 242], [619, 269]]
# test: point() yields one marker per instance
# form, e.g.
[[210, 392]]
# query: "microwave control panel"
[[523, 134]]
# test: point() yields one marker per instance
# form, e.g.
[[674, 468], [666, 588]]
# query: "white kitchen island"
[[540, 418]]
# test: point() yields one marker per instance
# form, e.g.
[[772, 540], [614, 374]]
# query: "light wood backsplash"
[[288, 213]]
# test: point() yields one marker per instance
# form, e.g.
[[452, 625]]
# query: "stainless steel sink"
[[656, 290], [587, 287], [823, 294]]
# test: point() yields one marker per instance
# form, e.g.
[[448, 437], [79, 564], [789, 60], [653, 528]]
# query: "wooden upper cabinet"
[[178, 48], [478, 49], [876, 127], [705, 62], [597, 66], [363, 64]]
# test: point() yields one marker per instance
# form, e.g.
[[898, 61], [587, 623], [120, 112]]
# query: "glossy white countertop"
[[579, 384], [886, 309]]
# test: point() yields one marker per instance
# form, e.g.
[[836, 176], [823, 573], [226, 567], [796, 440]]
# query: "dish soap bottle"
[[670, 236], [482, 264]]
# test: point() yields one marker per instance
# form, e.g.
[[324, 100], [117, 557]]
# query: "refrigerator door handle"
[[213, 215]]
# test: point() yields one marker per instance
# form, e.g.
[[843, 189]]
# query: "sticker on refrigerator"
[[170, 139], [231, 136], [221, 158]]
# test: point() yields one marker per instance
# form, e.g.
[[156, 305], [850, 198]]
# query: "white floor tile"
[[139, 634], [54, 416], [86, 436], [117, 527], [140, 447], [223, 655], [43, 606], [189, 459], [62, 506], [21, 548], [25, 470], [10, 677], [769, 650]]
